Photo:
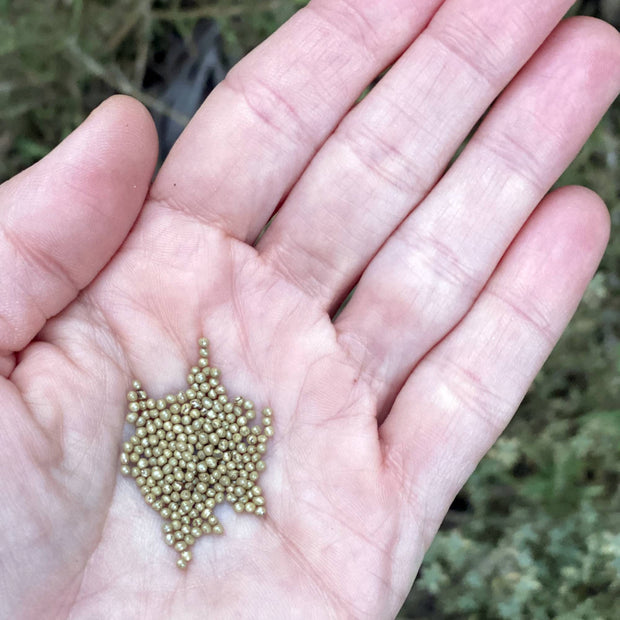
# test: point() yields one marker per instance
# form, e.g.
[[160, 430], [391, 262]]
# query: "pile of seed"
[[194, 450]]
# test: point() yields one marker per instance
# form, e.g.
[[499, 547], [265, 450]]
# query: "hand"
[[464, 283]]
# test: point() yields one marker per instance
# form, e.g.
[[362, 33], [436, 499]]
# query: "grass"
[[532, 535]]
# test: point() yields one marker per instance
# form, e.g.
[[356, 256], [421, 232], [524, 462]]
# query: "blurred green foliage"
[[535, 532]]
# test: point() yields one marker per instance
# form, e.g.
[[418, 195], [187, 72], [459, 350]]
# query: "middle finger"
[[390, 151]]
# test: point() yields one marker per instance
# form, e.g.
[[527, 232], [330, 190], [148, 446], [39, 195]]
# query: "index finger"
[[257, 131]]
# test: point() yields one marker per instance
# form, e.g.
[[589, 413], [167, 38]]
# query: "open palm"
[[464, 281]]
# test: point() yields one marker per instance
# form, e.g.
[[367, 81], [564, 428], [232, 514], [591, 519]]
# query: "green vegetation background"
[[535, 533]]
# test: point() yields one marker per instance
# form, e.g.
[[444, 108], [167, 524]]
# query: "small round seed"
[[194, 450]]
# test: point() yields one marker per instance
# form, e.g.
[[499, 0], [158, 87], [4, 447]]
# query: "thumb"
[[63, 219]]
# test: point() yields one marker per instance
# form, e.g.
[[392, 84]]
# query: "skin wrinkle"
[[76, 182], [106, 578], [470, 43], [279, 264], [65, 609], [97, 314], [405, 180], [47, 528], [532, 316], [7, 363], [70, 469], [209, 219], [516, 157], [6, 326], [57, 419], [33, 300], [36, 436], [444, 264], [238, 318], [366, 538], [324, 589], [141, 306], [40, 260], [471, 393], [81, 597], [393, 470], [359, 355], [399, 113], [362, 32], [270, 108], [360, 391], [397, 459]]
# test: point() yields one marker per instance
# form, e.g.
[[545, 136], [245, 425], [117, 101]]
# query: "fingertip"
[[118, 138], [586, 215], [596, 41], [109, 158], [600, 32], [130, 118]]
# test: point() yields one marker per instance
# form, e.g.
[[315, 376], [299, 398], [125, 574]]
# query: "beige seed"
[[186, 555], [192, 451]]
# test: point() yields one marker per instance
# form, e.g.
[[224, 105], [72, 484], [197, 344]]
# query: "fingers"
[[389, 152], [431, 270], [257, 131], [62, 219], [464, 392]]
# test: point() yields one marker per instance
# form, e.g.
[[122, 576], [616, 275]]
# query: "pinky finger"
[[465, 391]]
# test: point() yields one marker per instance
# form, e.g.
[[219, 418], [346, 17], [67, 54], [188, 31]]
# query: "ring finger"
[[431, 270]]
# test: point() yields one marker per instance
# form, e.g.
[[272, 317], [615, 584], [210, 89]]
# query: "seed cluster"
[[194, 450]]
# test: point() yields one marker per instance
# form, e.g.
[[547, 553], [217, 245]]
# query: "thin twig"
[[117, 80], [142, 55], [119, 36]]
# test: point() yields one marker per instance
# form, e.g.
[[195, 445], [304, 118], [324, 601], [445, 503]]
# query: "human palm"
[[380, 413]]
